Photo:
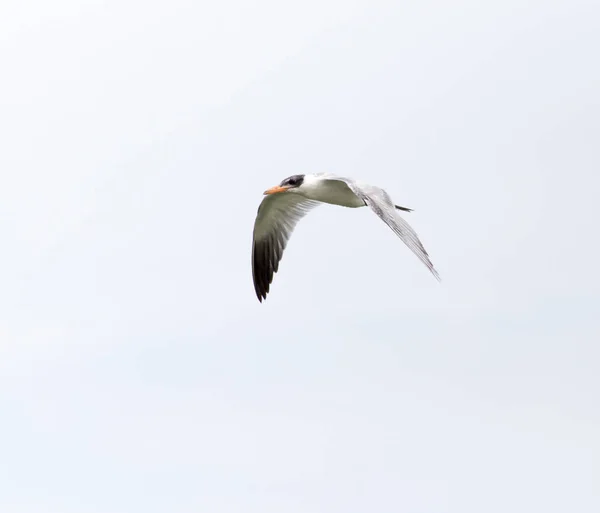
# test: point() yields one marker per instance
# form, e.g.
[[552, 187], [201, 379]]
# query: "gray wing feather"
[[277, 216], [381, 203]]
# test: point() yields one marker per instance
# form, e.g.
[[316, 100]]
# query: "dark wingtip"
[[405, 209], [262, 273]]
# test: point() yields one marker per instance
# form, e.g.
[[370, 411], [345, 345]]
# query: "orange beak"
[[276, 189]]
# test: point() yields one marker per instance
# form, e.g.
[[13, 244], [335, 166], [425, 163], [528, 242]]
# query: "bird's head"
[[289, 184]]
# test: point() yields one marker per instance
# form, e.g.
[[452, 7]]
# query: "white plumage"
[[285, 204]]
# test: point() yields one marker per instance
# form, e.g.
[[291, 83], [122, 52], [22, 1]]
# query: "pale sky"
[[138, 371]]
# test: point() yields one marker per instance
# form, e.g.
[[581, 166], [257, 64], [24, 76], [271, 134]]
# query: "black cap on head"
[[293, 181]]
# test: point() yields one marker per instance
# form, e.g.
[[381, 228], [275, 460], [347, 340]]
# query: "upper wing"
[[381, 203], [276, 219]]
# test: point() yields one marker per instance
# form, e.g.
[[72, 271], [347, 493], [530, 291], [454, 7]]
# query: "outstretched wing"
[[278, 215], [381, 203]]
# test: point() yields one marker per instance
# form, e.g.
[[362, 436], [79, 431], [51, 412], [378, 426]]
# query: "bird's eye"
[[293, 181]]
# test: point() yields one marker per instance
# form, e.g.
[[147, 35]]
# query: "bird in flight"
[[285, 204]]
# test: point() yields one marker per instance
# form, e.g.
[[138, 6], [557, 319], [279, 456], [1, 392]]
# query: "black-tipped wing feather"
[[278, 215]]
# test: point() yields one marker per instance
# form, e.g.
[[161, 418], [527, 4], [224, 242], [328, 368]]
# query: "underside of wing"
[[381, 203], [276, 219]]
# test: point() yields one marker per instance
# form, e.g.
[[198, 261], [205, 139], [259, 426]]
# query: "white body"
[[284, 205], [334, 192]]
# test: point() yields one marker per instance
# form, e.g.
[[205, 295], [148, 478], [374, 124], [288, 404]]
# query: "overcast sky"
[[138, 371]]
